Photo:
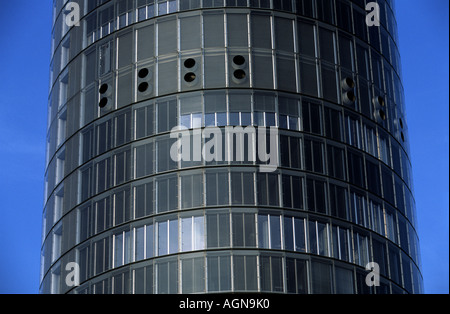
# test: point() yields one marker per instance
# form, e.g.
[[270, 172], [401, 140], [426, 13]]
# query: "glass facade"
[[137, 221]]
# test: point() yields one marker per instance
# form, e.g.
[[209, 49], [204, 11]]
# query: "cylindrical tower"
[[123, 215]]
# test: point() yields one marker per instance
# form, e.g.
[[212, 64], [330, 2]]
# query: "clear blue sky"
[[25, 28]]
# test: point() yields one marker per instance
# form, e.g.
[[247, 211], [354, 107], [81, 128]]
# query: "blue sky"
[[24, 66]]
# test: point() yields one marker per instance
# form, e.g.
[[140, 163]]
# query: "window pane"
[[288, 234], [275, 232]]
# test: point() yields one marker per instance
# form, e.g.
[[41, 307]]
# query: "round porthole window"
[[401, 122], [382, 114]]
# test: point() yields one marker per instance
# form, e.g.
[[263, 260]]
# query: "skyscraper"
[[122, 215]]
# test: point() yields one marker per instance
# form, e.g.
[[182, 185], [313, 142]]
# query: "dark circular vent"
[[239, 60], [143, 87], [240, 74], [143, 73], [189, 63], [104, 88], [103, 102], [190, 77]]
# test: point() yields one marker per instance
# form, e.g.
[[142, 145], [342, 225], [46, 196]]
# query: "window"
[[338, 201], [122, 249], [166, 193], [267, 189], [388, 184], [327, 45], [237, 30], [321, 278], [358, 205], [353, 131], [103, 214], [101, 256], [242, 189], [333, 124], [305, 7], [336, 162], [285, 5], [329, 83], [192, 233], [373, 177], [143, 200], [394, 263], [312, 117], [217, 188], [290, 151], [144, 156], [361, 249], [344, 281], [122, 206], [163, 147], [370, 139], [218, 230], [325, 11], [385, 153], [191, 190], [193, 275], [244, 230], [306, 34], [269, 227], [124, 9], [318, 238], [103, 174], [104, 136], [342, 244], [167, 231], [105, 59], [261, 31], [377, 217], [91, 28], [292, 191], [122, 128], [122, 166], [191, 112], [288, 113], [167, 115], [219, 273], [296, 276], [294, 234], [355, 168], [308, 77], [344, 15], [167, 272], [213, 28], [215, 109], [316, 195], [391, 224], [314, 159], [145, 121], [245, 273], [271, 274]]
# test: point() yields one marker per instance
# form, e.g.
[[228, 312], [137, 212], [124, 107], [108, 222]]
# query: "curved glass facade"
[[136, 221]]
